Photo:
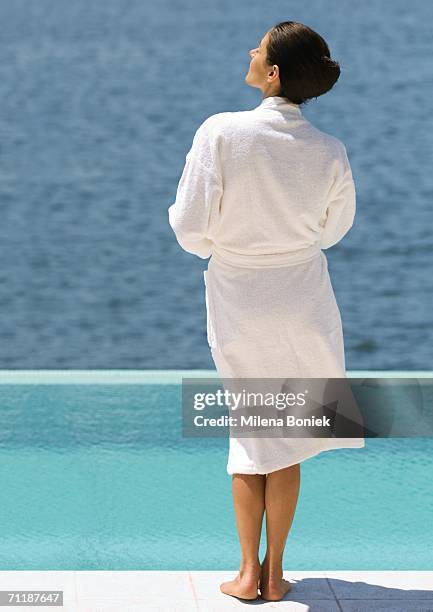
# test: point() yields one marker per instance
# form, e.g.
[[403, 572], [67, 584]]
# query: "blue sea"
[[99, 102]]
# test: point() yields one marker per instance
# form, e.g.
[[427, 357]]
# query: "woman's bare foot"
[[273, 587], [245, 585]]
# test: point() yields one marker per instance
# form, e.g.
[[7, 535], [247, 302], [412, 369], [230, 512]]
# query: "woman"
[[263, 192]]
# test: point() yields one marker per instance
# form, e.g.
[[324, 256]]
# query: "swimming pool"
[[97, 475]]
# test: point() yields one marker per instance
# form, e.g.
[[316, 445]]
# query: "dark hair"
[[305, 68]]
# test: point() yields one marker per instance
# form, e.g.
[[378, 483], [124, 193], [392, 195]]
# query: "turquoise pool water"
[[98, 476]]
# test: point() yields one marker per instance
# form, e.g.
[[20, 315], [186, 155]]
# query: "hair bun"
[[327, 61]]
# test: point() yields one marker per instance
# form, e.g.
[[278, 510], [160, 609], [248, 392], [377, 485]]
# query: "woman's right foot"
[[272, 587]]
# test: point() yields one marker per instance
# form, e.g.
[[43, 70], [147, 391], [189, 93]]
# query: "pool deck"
[[198, 591]]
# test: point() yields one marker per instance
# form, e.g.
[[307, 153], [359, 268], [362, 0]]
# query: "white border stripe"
[[140, 377]]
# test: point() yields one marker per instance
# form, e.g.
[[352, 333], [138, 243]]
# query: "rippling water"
[[94, 487], [98, 105]]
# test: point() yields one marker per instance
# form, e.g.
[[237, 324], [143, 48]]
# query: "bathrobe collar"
[[279, 103]]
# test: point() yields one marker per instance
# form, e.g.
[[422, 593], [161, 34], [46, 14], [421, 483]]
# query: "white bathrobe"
[[262, 192]]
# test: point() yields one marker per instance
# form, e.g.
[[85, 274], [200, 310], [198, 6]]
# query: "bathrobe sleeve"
[[195, 213], [340, 210]]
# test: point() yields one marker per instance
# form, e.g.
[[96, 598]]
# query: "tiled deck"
[[198, 591]]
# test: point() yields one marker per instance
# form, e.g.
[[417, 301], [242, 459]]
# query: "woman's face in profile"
[[259, 68]]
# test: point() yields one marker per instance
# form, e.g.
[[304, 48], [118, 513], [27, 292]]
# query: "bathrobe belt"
[[274, 260]]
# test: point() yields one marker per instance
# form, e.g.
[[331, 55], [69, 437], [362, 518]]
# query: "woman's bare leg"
[[281, 496], [249, 504]]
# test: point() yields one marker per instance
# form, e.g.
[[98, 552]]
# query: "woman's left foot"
[[244, 586]]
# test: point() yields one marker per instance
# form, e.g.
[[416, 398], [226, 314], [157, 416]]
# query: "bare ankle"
[[249, 567], [272, 568]]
